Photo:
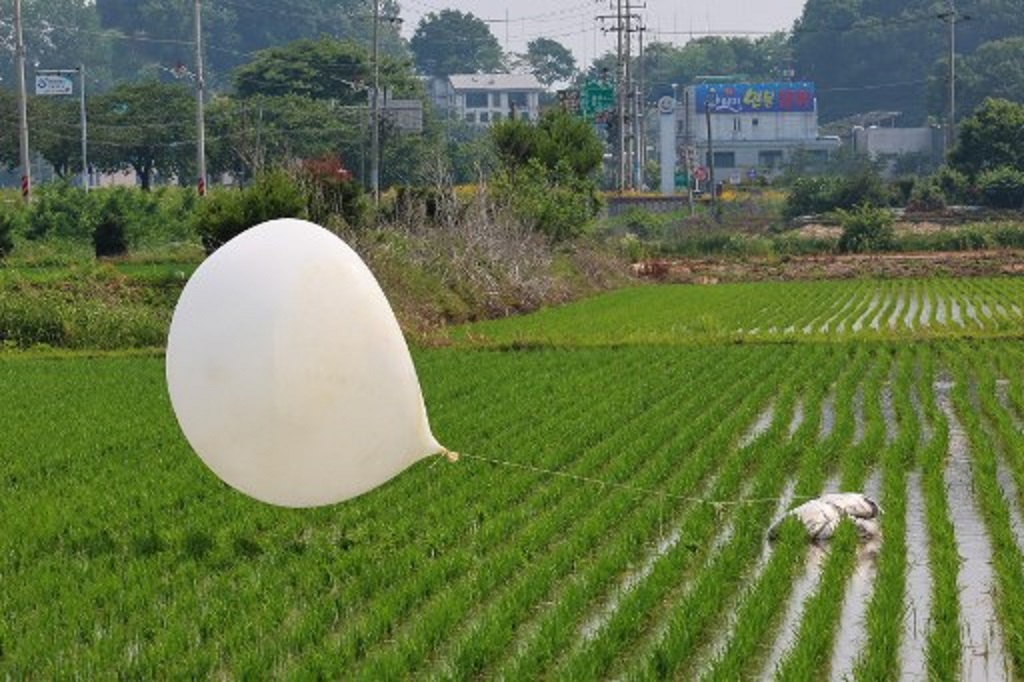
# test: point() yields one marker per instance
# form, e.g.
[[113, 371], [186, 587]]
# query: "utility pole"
[[711, 161], [620, 95], [200, 86], [85, 133], [951, 17], [640, 107], [375, 106], [26, 170]]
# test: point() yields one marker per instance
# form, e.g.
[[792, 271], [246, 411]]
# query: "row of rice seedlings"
[[983, 641], [701, 606], [644, 521], [362, 628], [811, 476], [637, 610], [810, 656], [99, 386], [1007, 557], [880, 658], [761, 609], [944, 648], [554, 631], [548, 516], [485, 629], [697, 529], [1009, 441]]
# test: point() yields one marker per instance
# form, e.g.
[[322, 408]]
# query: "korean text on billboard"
[[736, 98]]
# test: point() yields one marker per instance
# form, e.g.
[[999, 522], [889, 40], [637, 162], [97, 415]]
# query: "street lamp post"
[[26, 170]]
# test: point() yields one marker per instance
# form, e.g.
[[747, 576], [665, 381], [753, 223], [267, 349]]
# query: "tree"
[[996, 69], [158, 33], [317, 69], [546, 172], [59, 34], [991, 138], [148, 126], [548, 60], [251, 135], [453, 42]]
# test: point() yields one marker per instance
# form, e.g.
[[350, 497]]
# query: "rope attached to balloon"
[[717, 504]]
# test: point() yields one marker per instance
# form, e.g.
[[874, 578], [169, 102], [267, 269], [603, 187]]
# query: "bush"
[[331, 191], [643, 224], [927, 196], [865, 229], [555, 203], [110, 236], [1002, 187], [60, 210], [953, 184], [229, 212], [9, 220], [822, 194]]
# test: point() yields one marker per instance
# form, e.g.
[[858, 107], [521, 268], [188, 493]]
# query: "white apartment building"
[[483, 98]]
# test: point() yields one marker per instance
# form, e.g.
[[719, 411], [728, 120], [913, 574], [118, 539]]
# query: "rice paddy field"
[[623, 459]]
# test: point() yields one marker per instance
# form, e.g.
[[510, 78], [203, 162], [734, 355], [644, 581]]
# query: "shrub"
[[1002, 187], [9, 219], [60, 210], [643, 224], [811, 195], [866, 228], [927, 196], [555, 203], [331, 191], [110, 236], [227, 213], [953, 184]]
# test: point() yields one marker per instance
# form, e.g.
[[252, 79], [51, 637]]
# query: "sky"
[[574, 23]]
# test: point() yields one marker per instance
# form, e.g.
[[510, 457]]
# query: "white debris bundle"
[[821, 516]]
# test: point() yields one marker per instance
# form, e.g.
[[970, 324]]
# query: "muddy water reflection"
[[984, 657], [852, 627], [919, 585]]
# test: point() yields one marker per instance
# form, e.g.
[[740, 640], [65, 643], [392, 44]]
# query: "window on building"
[[471, 117], [496, 116], [725, 159], [737, 125], [476, 100], [485, 117], [495, 100], [517, 100], [753, 123], [769, 158]]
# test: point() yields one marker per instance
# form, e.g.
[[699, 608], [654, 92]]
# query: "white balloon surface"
[[288, 372]]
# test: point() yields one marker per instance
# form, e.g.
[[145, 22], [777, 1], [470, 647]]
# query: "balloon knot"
[[452, 456]]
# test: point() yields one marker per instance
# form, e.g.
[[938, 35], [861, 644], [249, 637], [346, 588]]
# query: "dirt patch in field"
[[890, 266]]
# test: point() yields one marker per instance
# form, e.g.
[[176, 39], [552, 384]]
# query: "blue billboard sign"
[[749, 98]]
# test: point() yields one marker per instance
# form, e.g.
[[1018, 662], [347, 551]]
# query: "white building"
[[483, 98], [755, 128]]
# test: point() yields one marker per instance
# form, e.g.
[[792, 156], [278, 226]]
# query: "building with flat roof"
[[483, 98], [756, 128]]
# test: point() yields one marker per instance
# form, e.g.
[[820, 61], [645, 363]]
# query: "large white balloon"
[[288, 372]]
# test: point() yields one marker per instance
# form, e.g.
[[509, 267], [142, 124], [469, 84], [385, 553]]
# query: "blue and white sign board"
[[54, 85], [744, 98]]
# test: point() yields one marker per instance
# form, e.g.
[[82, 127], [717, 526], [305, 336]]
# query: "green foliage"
[[323, 68], [993, 136], [866, 229], [331, 192], [927, 196], [1002, 187], [11, 222], [549, 61], [142, 126], [61, 211], [809, 195], [451, 41], [110, 236], [555, 202], [995, 69], [229, 212]]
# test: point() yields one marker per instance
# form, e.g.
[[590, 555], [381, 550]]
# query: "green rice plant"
[[944, 649], [1007, 555], [885, 614]]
